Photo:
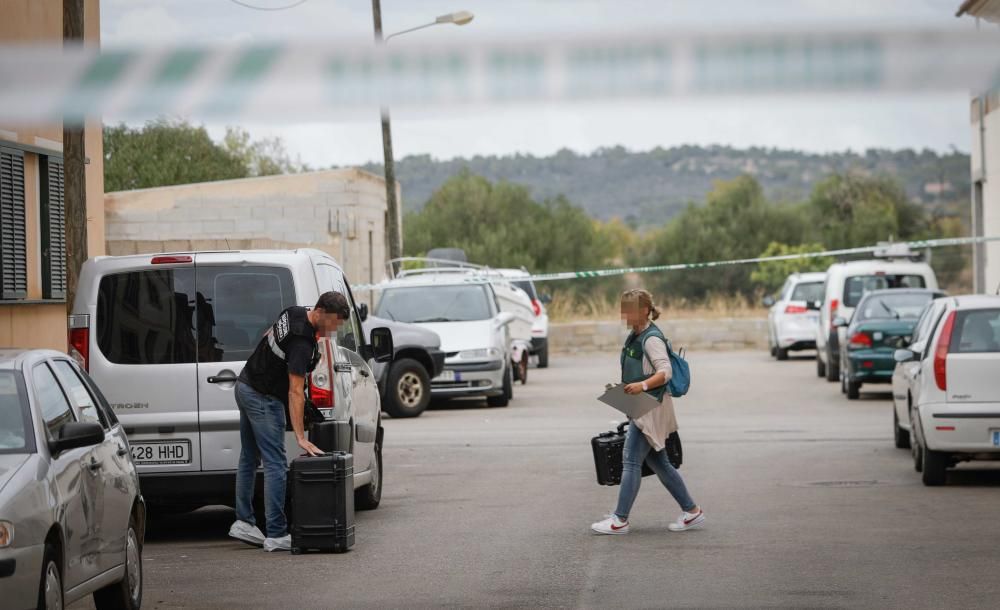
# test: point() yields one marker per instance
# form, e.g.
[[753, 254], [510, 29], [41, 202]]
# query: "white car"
[[793, 315], [540, 327], [462, 307], [949, 374], [845, 284], [166, 336]]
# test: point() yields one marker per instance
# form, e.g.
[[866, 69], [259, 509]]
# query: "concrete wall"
[[722, 333], [341, 212], [31, 323], [986, 169]]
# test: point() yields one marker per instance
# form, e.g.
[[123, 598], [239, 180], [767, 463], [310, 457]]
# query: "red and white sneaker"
[[612, 525], [688, 521]]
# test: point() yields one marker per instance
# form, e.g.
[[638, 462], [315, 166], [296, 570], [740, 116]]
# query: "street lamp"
[[393, 218]]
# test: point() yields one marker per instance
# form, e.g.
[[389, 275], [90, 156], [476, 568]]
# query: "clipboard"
[[632, 405]]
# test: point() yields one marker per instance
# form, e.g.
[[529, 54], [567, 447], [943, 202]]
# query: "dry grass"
[[590, 308]]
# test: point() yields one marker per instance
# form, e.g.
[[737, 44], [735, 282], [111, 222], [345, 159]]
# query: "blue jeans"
[[637, 449], [262, 436]]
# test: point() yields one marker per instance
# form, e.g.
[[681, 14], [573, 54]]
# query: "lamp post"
[[394, 234]]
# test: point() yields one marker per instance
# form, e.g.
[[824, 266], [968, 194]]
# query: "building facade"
[[32, 210], [342, 212]]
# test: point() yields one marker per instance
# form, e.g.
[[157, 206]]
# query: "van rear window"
[[856, 286], [977, 330]]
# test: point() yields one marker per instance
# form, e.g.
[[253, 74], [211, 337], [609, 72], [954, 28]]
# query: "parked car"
[[461, 307], [167, 335], [954, 391], [405, 383], [540, 327], [883, 321], [845, 284], [794, 313], [905, 373], [517, 303], [72, 519]]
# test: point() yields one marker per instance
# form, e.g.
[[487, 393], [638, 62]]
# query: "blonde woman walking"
[[645, 366]]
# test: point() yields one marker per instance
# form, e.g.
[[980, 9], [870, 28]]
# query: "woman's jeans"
[[262, 436], [637, 449]]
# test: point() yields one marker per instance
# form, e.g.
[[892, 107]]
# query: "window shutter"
[[53, 229], [13, 235]]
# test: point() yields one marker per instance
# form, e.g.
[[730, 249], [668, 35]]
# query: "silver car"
[[71, 515]]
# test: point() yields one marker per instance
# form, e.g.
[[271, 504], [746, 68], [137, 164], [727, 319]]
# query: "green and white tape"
[[618, 271], [300, 82]]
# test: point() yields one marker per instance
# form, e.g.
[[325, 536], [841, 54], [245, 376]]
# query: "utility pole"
[[393, 235], [75, 191]]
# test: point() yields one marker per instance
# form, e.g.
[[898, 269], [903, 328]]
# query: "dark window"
[[905, 305], [53, 209], [808, 291], [13, 235], [236, 306], [15, 426], [79, 395], [976, 331], [528, 287], [147, 317], [51, 400], [857, 286]]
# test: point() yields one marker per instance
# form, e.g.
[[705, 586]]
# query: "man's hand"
[[633, 388], [308, 447]]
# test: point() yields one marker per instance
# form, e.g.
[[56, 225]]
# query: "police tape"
[[886, 250], [300, 82]]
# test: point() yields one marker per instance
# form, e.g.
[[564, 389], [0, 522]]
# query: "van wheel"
[[522, 368], [408, 391], [370, 496], [543, 355], [900, 437], [853, 390], [820, 367], [832, 371], [127, 593], [781, 353], [508, 390], [50, 590], [935, 467]]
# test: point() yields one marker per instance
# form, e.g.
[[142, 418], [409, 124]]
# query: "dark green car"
[[883, 322]]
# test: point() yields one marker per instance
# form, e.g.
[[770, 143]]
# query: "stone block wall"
[[694, 334]]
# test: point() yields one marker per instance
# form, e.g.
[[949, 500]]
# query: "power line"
[[269, 8]]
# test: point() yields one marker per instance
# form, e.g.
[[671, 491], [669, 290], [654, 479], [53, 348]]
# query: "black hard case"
[[323, 503], [331, 436], [609, 449]]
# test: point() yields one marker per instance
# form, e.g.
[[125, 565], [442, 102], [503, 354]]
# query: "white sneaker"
[[278, 544], [244, 532], [612, 525], [688, 521]]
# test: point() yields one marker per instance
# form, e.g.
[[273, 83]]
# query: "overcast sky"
[[821, 123]]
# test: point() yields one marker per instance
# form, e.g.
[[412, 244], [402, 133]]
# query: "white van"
[[845, 284], [462, 307], [540, 328], [166, 336]]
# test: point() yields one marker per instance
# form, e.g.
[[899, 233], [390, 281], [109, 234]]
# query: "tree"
[[771, 275], [850, 210], [264, 157]]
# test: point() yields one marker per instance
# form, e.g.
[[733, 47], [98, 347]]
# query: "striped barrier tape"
[[598, 273], [301, 82]]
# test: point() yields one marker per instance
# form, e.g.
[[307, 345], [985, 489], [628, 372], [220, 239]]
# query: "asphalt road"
[[808, 505]]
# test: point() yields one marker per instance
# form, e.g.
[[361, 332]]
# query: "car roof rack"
[[891, 250], [394, 267]]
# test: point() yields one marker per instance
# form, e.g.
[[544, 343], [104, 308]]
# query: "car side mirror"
[[77, 434], [363, 311], [812, 305], [380, 348], [545, 299], [904, 355], [839, 322]]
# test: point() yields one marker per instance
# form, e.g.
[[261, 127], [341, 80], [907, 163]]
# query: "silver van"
[[166, 336]]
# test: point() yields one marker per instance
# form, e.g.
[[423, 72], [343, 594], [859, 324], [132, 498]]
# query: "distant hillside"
[[655, 185]]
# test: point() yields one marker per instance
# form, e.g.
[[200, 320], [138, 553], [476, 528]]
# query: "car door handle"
[[364, 372], [223, 379], [122, 452], [94, 465]]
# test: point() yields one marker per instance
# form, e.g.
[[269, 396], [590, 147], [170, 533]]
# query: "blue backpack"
[[680, 380]]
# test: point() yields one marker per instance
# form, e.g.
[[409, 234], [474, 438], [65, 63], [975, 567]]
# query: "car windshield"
[[528, 287], [13, 420], [808, 291], [435, 304], [858, 286], [893, 306]]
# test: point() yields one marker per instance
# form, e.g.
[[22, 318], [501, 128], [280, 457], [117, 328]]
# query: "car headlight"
[[470, 354], [6, 534]]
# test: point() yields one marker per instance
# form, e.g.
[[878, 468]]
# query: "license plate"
[[162, 452], [447, 376], [996, 438]]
